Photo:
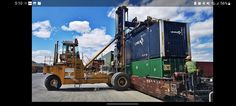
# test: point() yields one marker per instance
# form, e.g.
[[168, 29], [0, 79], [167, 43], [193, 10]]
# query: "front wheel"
[[120, 81], [52, 82]]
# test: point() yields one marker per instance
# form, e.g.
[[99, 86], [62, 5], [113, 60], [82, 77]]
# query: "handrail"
[[210, 96]]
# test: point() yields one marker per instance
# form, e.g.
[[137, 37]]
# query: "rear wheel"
[[120, 81], [52, 82]]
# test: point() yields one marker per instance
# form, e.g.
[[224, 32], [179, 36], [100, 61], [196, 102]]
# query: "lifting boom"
[[100, 52]]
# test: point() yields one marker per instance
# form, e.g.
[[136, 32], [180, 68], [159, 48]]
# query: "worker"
[[191, 69]]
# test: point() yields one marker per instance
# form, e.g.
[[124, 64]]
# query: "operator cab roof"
[[69, 43]]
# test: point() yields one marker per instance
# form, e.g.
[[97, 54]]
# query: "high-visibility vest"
[[191, 66]]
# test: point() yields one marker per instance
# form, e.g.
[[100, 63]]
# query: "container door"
[[140, 68], [175, 37], [156, 67], [136, 68]]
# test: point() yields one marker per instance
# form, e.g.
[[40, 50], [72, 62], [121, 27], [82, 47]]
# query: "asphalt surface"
[[84, 93]]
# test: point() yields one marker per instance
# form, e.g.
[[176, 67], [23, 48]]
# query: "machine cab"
[[69, 51]]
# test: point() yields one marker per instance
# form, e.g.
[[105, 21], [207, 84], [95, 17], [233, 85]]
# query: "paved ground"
[[86, 93]]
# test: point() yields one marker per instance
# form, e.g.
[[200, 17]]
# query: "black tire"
[[52, 82], [120, 81], [109, 79]]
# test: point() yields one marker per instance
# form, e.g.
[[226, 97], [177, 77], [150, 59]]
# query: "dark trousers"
[[191, 80]]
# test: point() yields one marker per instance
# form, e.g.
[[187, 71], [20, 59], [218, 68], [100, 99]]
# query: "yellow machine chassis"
[[79, 76]]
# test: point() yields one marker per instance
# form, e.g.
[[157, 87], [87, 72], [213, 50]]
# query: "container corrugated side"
[[176, 65], [154, 41], [128, 51], [158, 67], [206, 68], [140, 45]]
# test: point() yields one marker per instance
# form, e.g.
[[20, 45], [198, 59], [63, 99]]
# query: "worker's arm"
[[185, 68]]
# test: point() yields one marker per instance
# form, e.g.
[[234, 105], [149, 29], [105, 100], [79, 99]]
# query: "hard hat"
[[188, 58]]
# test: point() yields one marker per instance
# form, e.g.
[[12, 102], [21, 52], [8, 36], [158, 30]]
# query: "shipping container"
[[128, 52], [128, 69], [140, 45], [158, 67], [161, 39], [138, 68], [154, 41], [175, 38], [206, 68], [155, 69], [172, 65]]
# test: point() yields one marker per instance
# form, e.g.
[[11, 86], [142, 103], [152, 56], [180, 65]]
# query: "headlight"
[[211, 80]]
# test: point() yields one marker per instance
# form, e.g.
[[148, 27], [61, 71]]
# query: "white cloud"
[[39, 56], [202, 55], [90, 40], [93, 41], [202, 51], [42, 29], [87, 53], [142, 12], [198, 13], [95, 38], [41, 52], [201, 29], [199, 10], [78, 26], [171, 13], [204, 45], [179, 17]]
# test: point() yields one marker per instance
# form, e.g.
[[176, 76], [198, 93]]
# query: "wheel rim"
[[122, 81], [54, 83]]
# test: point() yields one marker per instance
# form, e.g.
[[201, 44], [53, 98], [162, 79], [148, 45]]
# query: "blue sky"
[[59, 16], [95, 27]]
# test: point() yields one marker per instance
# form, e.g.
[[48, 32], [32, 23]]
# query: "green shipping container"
[[128, 69], [158, 67], [138, 68], [176, 65], [155, 67]]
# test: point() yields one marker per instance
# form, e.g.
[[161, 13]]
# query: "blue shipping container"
[[154, 41], [128, 52], [175, 38], [140, 45], [162, 39]]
